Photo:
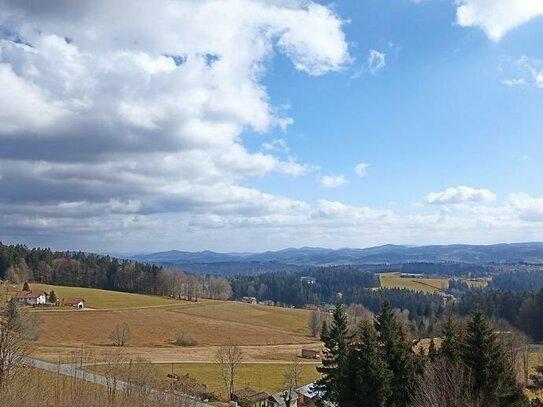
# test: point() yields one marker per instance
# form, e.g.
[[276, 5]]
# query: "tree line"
[[523, 310], [19, 264], [376, 365]]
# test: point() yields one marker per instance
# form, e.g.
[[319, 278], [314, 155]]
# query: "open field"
[[427, 285], [104, 299], [262, 377], [477, 282], [266, 333]]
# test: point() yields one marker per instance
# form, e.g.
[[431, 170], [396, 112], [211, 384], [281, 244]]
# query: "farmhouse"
[[269, 303], [251, 398], [31, 297], [78, 303], [310, 354], [249, 300]]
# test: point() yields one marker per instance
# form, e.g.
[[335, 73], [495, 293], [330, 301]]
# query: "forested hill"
[[390, 254], [19, 263]]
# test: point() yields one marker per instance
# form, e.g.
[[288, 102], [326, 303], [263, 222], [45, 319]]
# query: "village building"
[[278, 399], [78, 303], [308, 280], [308, 396], [249, 300], [251, 398], [31, 297], [269, 303]]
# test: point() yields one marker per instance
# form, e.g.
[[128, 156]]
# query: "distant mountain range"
[[390, 254]]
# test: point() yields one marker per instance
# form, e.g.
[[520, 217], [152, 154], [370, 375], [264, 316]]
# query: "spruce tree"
[[372, 378], [399, 356], [335, 381], [26, 287], [493, 375], [451, 347], [53, 297]]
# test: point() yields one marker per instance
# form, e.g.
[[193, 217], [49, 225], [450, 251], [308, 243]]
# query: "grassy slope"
[[103, 299], [262, 377], [155, 322]]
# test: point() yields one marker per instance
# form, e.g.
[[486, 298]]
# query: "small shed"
[[311, 354], [78, 303]]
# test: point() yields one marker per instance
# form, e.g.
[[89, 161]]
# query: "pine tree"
[[52, 297], [451, 348], [372, 378], [400, 358], [335, 364], [26, 287], [493, 376]]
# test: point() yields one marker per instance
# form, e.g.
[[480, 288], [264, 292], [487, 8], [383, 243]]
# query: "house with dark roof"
[[248, 397], [278, 399]]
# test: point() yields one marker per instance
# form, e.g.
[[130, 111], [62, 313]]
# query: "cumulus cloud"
[[496, 18], [126, 111], [460, 195], [333, 181], [376, 61], [361, 169]]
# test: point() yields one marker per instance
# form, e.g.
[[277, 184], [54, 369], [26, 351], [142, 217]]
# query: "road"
[[73, 370]]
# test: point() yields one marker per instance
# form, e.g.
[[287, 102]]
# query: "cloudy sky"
[[245, 125]]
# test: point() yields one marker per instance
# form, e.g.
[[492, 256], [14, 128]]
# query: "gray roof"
[[278, 397]]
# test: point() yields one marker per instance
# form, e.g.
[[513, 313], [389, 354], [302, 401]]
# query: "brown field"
[[266, 333], [427, 285]]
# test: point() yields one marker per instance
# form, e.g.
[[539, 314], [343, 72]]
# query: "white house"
[[31, 297]]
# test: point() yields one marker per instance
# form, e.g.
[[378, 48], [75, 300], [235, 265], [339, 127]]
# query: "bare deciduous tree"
[[291, 381], [314, 323], [445, 384], [17, 327], [121, 334], [228, 360]]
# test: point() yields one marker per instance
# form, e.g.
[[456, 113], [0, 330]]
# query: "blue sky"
[[436, 115], [119, 133]]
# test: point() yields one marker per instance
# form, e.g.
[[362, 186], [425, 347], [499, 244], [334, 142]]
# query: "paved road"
[[73, 370]]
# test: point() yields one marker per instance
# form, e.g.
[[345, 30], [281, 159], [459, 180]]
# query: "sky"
[[252, 125]]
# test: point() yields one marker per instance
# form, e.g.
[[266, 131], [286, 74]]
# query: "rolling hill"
[[391, 254]]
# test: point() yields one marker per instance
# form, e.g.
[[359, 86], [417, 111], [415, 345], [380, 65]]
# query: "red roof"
[[27, 295], [73, 301]]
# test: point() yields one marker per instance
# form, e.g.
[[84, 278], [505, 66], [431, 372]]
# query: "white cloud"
[[376, 61], [361, 169], [333, 181], [497, 17], [527, 207], [139, 109], [523, 71], [514, 82], [460, 195]]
